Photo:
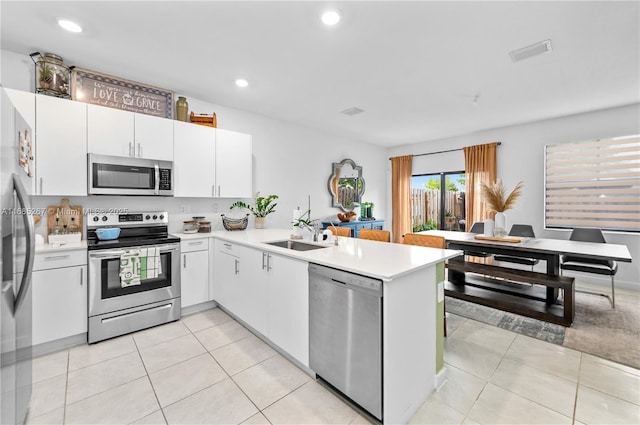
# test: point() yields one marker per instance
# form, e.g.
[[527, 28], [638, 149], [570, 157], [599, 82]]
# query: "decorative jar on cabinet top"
[[182, 108], [52, 76]]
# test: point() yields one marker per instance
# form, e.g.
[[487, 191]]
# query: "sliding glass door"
[[438, 201]]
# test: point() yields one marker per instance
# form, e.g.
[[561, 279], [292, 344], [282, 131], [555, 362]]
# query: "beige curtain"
[[401, 196], [479, 167]]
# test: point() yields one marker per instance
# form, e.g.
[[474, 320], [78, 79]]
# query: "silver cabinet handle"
[[264, 255], [237, 263], [41, 185], [228, 245], [269, 262], [130, 152], [218, 190], [139, 150], [184, 265], [195, 243], [81, 277], [56, 257]]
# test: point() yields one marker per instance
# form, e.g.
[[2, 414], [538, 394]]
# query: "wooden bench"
[[478, 283]]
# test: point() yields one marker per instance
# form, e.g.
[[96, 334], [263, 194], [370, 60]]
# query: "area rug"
[[598, 329]]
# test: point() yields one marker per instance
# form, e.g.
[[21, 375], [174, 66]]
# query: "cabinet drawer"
[[191, 245], [57, 259], [361, 226], [227, 247]]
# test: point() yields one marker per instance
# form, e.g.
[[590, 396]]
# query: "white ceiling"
[[414, 67]]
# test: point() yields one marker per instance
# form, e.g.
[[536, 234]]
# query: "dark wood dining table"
[[476, 282]]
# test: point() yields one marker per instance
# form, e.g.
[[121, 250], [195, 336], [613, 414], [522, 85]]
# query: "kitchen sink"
[[295, 245]]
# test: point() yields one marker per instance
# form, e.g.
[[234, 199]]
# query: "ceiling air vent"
[[530, 51], [352, 111]]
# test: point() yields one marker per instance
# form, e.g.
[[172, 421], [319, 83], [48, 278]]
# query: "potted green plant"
[[264, 206]]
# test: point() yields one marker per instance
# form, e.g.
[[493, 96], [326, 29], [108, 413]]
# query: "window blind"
[[594, 184]]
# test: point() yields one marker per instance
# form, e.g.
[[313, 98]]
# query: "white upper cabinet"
[[109, 131], [153, 137], [25, 103], [194, 160], [234, 174], [123, 133], [210, 162], [61, 147]]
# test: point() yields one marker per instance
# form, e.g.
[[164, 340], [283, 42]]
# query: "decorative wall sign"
[[105, 90]]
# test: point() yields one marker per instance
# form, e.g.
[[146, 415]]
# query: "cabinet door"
[[25, 103], [233, 164], [109, 131], [289, 306], [226, 279], [59, 303], [153, 137], [61, 147], [254, 288], [194, 278], [193, 160], [360, 226]]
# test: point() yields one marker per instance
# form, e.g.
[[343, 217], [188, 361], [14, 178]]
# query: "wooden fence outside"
[[425, 205]]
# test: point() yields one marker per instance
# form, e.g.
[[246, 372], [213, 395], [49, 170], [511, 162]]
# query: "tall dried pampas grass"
[[494, 196]]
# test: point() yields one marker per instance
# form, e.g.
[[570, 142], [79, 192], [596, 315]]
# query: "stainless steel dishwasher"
[[345, 334]]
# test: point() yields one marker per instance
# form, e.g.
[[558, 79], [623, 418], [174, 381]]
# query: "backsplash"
[[179, 209]]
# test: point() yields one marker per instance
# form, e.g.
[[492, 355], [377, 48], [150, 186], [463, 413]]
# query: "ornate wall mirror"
[[346, 185]]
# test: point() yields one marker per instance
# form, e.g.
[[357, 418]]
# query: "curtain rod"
[[450, 150]]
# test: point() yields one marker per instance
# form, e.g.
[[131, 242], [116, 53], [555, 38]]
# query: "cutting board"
[[497, 239], [64, 213]]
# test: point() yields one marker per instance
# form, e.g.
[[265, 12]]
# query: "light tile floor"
[[208, 369]]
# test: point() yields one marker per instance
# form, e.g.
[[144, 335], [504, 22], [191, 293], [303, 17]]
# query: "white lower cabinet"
[[267, 291], [194, 271], [289, 306], [239, 285], [59, 295]]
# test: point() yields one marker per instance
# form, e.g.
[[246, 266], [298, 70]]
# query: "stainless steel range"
[[125, 299]]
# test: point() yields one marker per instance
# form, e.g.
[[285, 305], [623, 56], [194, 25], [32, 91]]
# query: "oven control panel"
[[140, 218]]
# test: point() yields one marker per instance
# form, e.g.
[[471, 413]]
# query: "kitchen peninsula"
[[267, 288]]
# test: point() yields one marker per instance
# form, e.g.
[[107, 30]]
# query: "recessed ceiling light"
[[331, 17], [241, 82], [69, 25]]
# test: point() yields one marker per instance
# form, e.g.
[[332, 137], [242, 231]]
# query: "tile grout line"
[[575, 399], [66, 387], [150, 383], [227, 373]]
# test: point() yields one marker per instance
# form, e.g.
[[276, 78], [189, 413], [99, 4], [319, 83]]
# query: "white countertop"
[[381, 260], [69, 246]]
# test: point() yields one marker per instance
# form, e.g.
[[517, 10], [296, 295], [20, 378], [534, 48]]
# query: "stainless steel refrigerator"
[[17, 229]]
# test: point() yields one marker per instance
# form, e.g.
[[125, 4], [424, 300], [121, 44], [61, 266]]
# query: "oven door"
[[106, 293]]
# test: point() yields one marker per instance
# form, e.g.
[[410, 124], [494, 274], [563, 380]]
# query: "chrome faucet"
[[335, 231], [315, 229]]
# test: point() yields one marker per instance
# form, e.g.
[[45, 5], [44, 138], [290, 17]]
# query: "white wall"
[[521, 158], [291, 161]]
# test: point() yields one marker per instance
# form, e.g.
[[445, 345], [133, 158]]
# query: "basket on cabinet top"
[[235, 223]]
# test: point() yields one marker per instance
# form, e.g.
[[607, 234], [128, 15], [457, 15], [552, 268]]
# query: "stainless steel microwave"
[[118, 175]]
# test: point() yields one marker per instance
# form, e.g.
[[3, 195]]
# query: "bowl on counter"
[[108, 233]]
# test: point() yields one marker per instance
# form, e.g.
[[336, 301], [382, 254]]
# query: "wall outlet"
[[184, 209], [216, 208]]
